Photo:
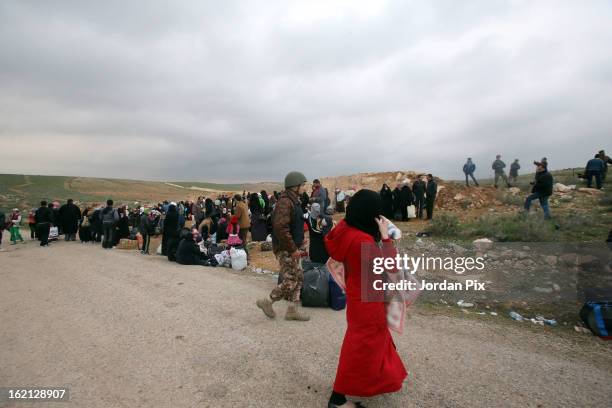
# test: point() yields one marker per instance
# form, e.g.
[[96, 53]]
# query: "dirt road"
[[123, 330]]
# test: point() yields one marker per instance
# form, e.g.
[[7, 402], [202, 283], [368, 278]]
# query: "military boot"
[[294, 314], [266, 306]]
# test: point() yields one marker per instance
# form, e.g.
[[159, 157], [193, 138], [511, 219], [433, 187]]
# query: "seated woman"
[[207, 228], [188, 252], [233, 231]]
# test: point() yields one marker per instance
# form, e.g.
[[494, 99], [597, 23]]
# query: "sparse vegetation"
[[445, 224]]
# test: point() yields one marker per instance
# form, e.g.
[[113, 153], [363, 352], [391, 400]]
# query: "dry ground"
[[124, 330]]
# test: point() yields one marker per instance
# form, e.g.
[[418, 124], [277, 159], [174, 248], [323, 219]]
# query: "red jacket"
[[369, 364]]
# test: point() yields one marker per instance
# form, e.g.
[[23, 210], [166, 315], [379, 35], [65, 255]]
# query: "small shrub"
[[509, 199], [445, 224]]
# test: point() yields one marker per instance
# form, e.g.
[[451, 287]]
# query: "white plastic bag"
[[239, 259], [224, 259], [411, 211], [159, 248], [53, 233]]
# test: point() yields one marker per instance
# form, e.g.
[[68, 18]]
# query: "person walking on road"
[[287, 241], [369, 363]]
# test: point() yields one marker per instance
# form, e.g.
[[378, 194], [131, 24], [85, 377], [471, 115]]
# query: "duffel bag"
[[315, 290]]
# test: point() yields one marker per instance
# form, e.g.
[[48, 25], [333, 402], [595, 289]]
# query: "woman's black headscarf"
[[362, 210]]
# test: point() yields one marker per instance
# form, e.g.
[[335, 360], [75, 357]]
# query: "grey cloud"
[[237, 91]]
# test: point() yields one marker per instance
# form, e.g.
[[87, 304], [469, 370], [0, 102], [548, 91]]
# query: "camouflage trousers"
[[293, 278]]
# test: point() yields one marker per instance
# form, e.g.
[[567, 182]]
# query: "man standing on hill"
[[432, 191], [109, 218], [594, 168], [514, 168], [499, 166], [541, 190], [468, 169], [607, 160], [287, 240], [418, 188]]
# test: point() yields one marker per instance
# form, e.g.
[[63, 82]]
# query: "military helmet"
[[294, 178]]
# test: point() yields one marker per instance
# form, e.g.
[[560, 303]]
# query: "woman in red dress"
[[369, 364]]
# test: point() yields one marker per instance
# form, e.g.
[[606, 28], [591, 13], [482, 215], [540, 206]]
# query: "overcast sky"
[[248, 90]]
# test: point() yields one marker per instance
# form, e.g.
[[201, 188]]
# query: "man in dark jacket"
[[431, 191], [69, 216], [109, 218], [514, 168], [607, 160], [498, 167], [468, 169], [287, 241], [594, 169], [541, 190], [44, 220], [418, 188]]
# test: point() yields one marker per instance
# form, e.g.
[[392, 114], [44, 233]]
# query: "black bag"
[[315, 290], [597, 316]]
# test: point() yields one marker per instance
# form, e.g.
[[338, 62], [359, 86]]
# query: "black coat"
[[418, 188], [397, 199], [387, 202], [44, 215], [431, 190], [543, 183], [69, 216], [171, 223], [188, 252], [406, 196]]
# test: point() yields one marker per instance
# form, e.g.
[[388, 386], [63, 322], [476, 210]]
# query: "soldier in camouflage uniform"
[[287, 240]]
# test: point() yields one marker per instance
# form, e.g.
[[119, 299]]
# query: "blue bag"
[[597, 316], [337, 298]]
